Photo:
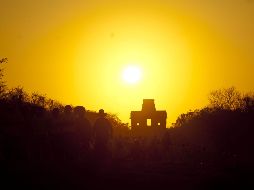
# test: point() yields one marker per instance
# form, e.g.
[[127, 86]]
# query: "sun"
[[131, 74]]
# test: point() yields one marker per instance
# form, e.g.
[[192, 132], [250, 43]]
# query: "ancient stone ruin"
[[148, 121]]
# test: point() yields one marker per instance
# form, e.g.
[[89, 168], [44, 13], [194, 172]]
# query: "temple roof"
[[149, 110]]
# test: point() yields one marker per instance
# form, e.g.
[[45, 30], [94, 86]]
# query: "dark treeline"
[[220, 134], [44, 144]]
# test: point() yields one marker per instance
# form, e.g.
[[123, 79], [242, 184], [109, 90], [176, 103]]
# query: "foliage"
[[248, 100], [223, 130], [35, 128], [2, 83], [120, 128], [228, 98], [17, 94]]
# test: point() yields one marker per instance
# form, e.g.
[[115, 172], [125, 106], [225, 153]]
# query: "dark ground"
[[124, 176]]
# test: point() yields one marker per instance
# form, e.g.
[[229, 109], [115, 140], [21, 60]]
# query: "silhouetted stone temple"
[[148, 121]]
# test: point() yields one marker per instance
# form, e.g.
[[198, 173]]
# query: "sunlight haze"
[[131, 74], [79, 52]]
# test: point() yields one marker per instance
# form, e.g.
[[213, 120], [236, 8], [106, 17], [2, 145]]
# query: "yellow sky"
[[75, 51]]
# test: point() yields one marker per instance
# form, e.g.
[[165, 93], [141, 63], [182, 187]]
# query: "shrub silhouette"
[[43, 139]]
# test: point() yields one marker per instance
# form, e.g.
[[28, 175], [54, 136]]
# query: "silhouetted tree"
[[51, 104], [17, 94], [228, 98], [38, 99], [119, 128], [248, 100], [2, 83], [221, 134], [40, 135]]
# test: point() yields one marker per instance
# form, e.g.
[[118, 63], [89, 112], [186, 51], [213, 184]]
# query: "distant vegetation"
[[220, 133], [20, 101], [34, 136]]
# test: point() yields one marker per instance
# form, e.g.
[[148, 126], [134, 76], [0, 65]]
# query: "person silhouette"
[[83, 129], [102, 136], [67, 118]]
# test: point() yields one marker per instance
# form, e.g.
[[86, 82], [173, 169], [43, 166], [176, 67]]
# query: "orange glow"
[[76, 52]]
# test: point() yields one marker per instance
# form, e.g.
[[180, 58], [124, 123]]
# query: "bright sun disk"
[[131, 74]]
